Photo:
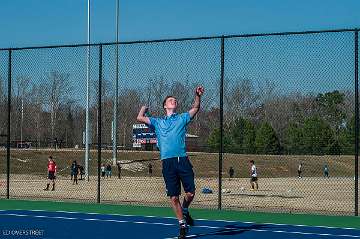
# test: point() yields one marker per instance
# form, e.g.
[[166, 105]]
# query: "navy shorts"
[[51, 175], [177, 171]]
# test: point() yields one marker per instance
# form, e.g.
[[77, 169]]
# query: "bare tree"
[[107, 97], [22, 90], [240, 97], [38, 101], [129, 104], [158, 90], [58, 90], [184, 93]]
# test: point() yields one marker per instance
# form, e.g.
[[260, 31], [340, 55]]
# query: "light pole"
[[87, 95], [114, 131]]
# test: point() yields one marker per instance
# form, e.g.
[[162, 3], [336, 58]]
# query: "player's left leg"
[[186, 174], [53, 184]]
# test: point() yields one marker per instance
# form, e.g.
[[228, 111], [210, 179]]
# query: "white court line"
[[197, 219], [169, 224], [264, 230], [87, 219]]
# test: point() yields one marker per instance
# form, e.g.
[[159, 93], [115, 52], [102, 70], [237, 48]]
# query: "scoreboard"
[[143, 135]]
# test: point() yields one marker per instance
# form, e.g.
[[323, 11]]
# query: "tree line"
[[257, 117], [324, 124]]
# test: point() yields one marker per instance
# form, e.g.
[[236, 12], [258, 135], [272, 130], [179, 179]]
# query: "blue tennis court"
[[61, 224]]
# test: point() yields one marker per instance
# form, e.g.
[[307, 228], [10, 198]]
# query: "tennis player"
[[176, 167]]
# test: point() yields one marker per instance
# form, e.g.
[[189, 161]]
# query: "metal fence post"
[[114, 133], [8, 129], [221, 149], [99, 120], [356, 122]]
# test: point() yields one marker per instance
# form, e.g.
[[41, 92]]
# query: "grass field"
[[280, 189], [134, 163]]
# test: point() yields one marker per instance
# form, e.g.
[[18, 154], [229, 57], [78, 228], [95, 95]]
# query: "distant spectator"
[[326, 171], [75, 171], [254, 176], [103, 170], [108, 171], [119, 168], [231, 172], [82, 171], [150, 171], [52, 168], [71, 172], [299, 170], [56, 143]]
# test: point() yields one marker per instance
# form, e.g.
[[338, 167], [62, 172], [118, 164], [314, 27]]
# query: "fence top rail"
[[183, 39]]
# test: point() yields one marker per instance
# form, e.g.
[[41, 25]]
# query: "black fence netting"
[[289, 108], [276, 129], [4, 56]]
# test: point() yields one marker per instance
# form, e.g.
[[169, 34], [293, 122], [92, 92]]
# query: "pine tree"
[[266, 141]]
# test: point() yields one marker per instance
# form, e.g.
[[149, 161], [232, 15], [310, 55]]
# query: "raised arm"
[[199, 91], [141, 116]]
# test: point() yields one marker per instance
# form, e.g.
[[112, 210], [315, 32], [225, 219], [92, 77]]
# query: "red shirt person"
[[51, 165], [52, 168]]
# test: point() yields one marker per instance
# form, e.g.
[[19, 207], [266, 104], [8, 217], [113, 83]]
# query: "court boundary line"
[[197, 219]]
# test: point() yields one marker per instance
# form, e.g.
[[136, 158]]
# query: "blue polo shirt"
[[170, 132]]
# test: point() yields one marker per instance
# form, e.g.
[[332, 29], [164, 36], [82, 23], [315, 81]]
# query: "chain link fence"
[[285, 101], [3, 120], [289, 106]]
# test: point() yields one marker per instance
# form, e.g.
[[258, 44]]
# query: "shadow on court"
[[261, 195], [230, 230]]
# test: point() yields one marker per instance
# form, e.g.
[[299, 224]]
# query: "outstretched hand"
[[199, 90]]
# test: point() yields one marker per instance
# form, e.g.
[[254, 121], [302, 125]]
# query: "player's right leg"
[[252, 184], [53, 184], [256, 184], [48, 182]]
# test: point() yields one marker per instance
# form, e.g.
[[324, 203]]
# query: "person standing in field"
[[150, 170], [326, 171], [51, 168], [299, 170], [119, 168], [81, 171], [108, 170], [71, 172], [176, 167], [103, 170], [254, 176], [75, 171], [231, 172]]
